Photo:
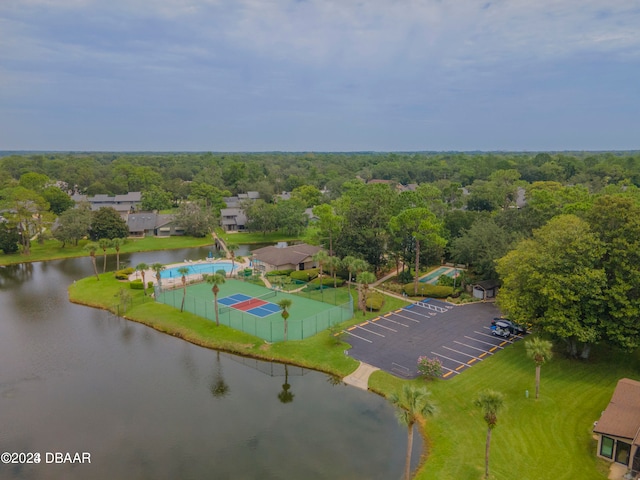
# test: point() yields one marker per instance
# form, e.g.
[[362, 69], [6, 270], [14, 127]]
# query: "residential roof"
[[622, 416], [140, 222], [292, 254]]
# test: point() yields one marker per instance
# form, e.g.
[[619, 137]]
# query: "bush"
[[149, 284], [428, 290], [429, 367], [275, 273], [124, 273], [445, 281], [375, 301], [136, 284], [304, 275], [327, 281], [405, 276]]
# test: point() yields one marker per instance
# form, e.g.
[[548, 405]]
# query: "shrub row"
[[375, 301], [124, 273], [275, 273], [428, 290], [304, 275]]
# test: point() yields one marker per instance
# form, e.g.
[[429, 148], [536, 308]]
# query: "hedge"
[[428, 290], [136, 284], [124, 273], [327, 281], [275, 273], [304, 275]]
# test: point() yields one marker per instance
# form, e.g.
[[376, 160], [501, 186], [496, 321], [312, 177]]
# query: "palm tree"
[[321, 258], [184, 271], [540, 351], [412, 405], [365, 279], [232, 247], [92, 248], [104, 243], [158, 268], [117, 243], [334, 264], [491, 402], [215, 280], [284, 305], [142, 267], [348, 263]]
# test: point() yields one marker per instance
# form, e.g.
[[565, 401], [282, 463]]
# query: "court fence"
[[269, 328]]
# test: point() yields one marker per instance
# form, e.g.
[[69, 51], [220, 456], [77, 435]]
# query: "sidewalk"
[[360, 378]]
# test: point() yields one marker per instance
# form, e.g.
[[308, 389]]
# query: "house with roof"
[[618, 429], [233, 218], [284, 257], [128, 202], [147, 224]]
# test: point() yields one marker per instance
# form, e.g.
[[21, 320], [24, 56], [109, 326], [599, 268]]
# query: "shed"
[[485, 289]]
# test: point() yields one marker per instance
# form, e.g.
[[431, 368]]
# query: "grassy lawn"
[[548, 438], [51, 249]]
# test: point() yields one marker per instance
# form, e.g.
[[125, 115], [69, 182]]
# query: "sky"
[[319, 75]]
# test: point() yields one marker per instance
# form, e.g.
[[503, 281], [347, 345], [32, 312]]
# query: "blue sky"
[[319, 75]]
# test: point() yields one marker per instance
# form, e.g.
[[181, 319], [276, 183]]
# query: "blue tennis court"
[[252, 305]]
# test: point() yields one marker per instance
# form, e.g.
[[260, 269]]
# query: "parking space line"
[[461, 353], [493, 349], [481, 341], [447, 358], [448, 373], [409, 318], [469, 346], [461, 367], [472, 360], [483, 354], [387, 315], [383, 326], [397, 323], [370, 331], [358, 336]]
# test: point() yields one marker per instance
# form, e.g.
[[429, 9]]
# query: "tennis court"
[[253, 309]]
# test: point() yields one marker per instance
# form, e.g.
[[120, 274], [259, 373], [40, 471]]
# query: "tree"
[[334, 264], [156, 198], [232, 247], [412, 405], [261, 216], [29, 212], [107, 223], [328, 222], [215, 280], [480, 246], [421, 224], [284, 305], [184, 271], [117, 243], [158, 268], [290, 217], [104, 244], [58, 200], [196, 219], [320, 258], [540, 351], [9, 238], [554, 281], [307, 194], [364, 280], [91, 248], [142, 268], [73, 224], [490, 402]]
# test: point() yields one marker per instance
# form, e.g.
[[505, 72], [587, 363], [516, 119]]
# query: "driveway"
[[459, 336]]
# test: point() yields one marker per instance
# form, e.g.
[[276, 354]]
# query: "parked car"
[[513, 327]]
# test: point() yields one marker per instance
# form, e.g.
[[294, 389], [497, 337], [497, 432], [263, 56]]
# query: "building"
[[233, 218], [147, 224], [285, 257], [129, 202], [618, 429]]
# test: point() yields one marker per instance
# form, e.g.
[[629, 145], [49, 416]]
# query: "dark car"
[[513, 327]]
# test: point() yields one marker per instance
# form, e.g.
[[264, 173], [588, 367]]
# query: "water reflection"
[[148, 405]]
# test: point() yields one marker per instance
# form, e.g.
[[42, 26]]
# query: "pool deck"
[[150, 275]]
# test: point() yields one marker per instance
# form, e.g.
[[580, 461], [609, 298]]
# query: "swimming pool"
[[198, 268]]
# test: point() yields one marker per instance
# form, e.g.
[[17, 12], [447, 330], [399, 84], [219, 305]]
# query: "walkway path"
[[360, 378]]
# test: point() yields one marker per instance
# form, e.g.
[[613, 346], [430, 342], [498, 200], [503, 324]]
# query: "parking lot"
[[460, 336]]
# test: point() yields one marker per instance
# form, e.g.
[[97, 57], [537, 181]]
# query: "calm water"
[[149, 406]]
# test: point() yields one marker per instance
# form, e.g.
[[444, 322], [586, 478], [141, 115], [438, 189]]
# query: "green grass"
[[51, 249], [548, 438]]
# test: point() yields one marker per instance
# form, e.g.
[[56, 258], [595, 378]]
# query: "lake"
[[146, 405]]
